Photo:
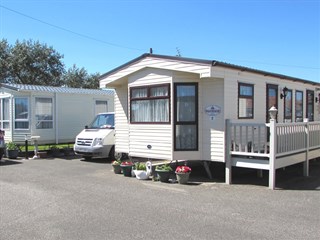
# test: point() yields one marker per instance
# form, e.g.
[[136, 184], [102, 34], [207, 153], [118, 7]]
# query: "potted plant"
[[116, 166], [126, 167], [12, 150], [163, 171], [55, 151], [67, 151], [182, 174], [142, 170]]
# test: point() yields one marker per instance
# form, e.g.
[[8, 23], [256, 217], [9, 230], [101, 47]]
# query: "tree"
[[30, 62], [79, 78], [4, 59], [35, 63]]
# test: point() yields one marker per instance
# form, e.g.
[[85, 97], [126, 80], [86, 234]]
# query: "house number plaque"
[[212, 111]]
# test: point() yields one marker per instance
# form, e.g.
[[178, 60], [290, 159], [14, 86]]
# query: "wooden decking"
[[270, 146]]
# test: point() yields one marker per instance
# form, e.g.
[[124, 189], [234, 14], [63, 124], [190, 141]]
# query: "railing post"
[[272, 154], [228, 171], [306, 162]]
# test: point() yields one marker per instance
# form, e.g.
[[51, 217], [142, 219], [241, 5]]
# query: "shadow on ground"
[[288, 178], [97, 160], [6, 162]]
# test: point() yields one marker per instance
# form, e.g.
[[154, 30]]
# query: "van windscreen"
[[103, 121]]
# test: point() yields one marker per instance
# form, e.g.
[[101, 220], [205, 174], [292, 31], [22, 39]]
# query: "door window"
[[186, 117]]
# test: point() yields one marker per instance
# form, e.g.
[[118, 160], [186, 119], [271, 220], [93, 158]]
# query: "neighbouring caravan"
[[175, 108], [56, 114]]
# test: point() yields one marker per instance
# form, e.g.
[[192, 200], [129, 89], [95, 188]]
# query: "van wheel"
[[121, 156], [111, 153], [87, 158]]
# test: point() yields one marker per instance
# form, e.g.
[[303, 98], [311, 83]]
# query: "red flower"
[[183, 169], [126, 163]]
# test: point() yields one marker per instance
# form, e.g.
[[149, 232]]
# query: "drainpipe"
[[11, 116], [56, 117]]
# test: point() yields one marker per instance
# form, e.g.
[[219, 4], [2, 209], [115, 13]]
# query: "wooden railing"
[[248, 139], [297, 137], [251, 139], [270, 142]]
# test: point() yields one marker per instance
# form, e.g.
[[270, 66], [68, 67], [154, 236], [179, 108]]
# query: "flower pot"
[[182, 178], [144, 175], [126, 170], [55, 152], [12, 154], [163, 175], [141, 175], [116, 169]]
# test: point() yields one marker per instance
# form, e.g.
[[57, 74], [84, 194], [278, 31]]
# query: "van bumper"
[[88, 151]]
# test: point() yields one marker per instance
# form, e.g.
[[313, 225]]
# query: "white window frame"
[[40, 121], [5, 123], [22, 120], [97, 110]]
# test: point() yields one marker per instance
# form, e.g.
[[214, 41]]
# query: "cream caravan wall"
[[121, 119], [233, 77], [296, 86], [231, 81], [158, 136], [157, 63], [212, 128]]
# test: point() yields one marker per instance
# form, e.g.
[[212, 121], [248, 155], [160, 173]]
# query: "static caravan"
[[56, 114], [175, 108]]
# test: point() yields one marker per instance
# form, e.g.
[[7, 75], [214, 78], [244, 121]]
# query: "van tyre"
[[120, 156]]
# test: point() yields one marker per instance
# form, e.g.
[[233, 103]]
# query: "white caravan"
[[97, 139]]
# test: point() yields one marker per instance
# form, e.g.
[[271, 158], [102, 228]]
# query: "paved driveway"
[[75, 199]]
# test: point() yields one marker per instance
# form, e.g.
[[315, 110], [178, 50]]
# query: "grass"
[[46, 147]]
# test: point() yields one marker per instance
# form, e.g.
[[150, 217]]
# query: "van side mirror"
[[86, 127]]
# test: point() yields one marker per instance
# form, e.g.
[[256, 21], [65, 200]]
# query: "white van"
[[97, 139]]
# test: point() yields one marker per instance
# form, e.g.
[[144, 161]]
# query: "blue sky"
[[273, 35]]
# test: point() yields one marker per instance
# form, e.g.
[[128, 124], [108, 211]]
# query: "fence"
[[270, 146]]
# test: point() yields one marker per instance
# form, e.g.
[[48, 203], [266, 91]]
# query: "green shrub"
[[140, 166], [164, 167], [11, 146]]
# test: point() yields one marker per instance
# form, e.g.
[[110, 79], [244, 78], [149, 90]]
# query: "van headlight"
[[97, 141]]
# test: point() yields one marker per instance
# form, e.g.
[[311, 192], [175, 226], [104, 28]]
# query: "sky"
[[279, 36]]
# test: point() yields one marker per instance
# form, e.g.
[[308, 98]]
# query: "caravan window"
[[245, 100], [44, 113], [310, 105], [150, 104], [5, 114], [299, 106], [21, 113], [101, 106], [288, 106]]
